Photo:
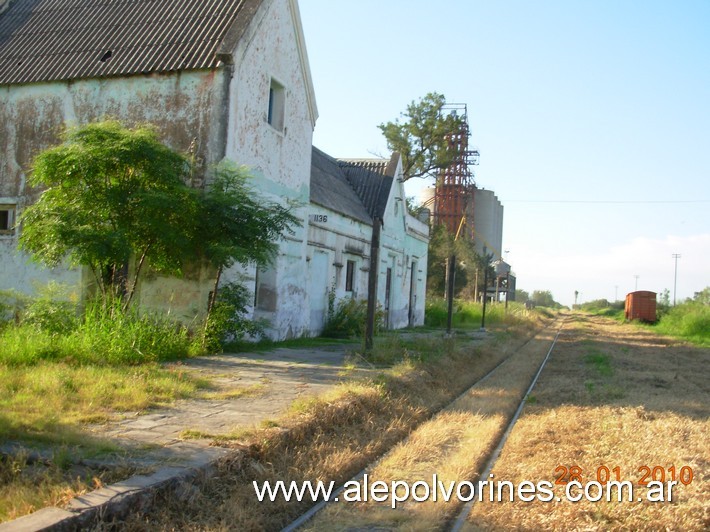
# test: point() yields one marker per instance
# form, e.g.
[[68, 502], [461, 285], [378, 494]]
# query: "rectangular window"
[[277, 105], [350, 276], [7, 219]]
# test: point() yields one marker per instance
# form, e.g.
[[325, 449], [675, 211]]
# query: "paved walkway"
[[250, 388]]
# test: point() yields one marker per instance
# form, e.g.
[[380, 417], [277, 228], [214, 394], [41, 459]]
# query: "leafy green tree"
[[236, 225], [441, 246], [702, 297], [521, 295], [111, 196], [116, 199], [543, 298], [422, 137]]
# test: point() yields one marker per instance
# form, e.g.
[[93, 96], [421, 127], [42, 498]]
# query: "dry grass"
[[28, 485], [329, 438], [649, 408], [454, 445]]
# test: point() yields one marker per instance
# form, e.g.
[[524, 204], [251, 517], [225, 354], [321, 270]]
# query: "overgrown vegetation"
[[334, 436], [120, 203], [689, 320], [54, 330], [603, 307], [467, 314], [347, 318]]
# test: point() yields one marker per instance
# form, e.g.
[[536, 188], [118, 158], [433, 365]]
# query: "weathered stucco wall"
[[280, 158], [404, 243], [187, 108], [333, 240]]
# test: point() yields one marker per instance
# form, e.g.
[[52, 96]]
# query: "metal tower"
[[453, 193]]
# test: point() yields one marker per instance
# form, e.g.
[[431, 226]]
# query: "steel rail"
[[468, 507], [320, 505]]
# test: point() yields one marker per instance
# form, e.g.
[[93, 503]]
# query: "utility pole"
[[450, 292], [676, 256], [636, 287], [485, 296], [372, 284]]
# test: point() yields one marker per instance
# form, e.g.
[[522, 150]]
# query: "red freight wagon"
[[641, 305]]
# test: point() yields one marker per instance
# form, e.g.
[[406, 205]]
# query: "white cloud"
[[612, 273]]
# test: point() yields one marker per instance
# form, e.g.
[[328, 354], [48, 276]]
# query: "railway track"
[[468, 507], [457, 522]]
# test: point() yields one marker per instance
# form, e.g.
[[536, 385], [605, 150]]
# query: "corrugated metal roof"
[[50, 40], [372, 187], [371, 180], [331, 189], [374, 165]]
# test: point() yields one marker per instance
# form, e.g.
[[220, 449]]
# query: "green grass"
[[689, 321], [600, 361], [467, 314], [49, 402], [103, 336]]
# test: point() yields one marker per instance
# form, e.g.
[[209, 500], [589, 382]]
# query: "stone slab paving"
[[271, 381], [274, 380]]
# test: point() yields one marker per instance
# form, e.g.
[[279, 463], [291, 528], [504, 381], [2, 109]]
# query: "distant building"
[[349, 196], [484, 219], [487, 223]]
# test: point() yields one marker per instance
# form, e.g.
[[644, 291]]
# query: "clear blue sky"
[[573, 105]]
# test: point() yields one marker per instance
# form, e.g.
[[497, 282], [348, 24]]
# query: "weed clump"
[[103, 334], [348, 318]]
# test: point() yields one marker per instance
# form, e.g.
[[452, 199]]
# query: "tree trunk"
[[211, 304], [132, 291]]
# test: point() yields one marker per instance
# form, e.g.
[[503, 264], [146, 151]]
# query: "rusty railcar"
[[641, 305]]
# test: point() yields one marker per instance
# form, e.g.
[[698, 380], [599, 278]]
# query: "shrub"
[[690, 320], [348, 318], [227, 321]]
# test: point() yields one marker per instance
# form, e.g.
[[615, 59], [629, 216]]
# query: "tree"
[[543, 298], [521, 295], [116, 199], [236, 225], [442, 246], [112, 196], [422, 138]]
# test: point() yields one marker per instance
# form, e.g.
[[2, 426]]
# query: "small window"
[[350, 276], [277, 105], [7, 219]]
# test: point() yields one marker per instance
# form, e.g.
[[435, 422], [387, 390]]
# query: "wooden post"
[[372, 284], [450, 292]]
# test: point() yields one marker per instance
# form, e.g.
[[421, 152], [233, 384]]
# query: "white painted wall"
[[404, 241], [280, 159], [333, 241]]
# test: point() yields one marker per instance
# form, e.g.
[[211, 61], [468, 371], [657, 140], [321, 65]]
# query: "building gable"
[[372, 179], [332, 190]]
